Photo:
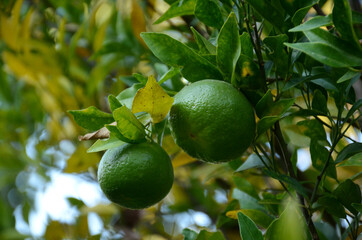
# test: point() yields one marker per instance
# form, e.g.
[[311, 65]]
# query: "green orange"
[[212, 121], [136, 176]]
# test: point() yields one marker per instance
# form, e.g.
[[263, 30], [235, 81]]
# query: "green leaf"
[[347, 193], [245, 186], [128, 125], [115, 132], [75, 202], [354, 161], [319, 102], [271, 202], [222, 218], [290, 224], [248, 229], [356, 106], [253, 161], [267, 107], [328, 49], [177, 54], [326, 83], [319, 155], [357, 206], [113, 102], [269, 12], [205, 235], [178, 8], [348, 75], [5, 89], [265, 123], [168, 75], [293, 82], [280, 107], [315, 22], [126, 96], [246, 201], [342, 19], [105, 144], [356, 17], [326, 231], [292, 6], [264, 104], [246, 45], [332, 206], [300, 14], [189, 234], [91, 118], [297, 81], [326, 54], [277, 53], [228, 47], [208, 12], [312, 129], [258, 217], [205, 47], [140, 78], [247, 74], [349, 151], [288, 180], [123, 48]]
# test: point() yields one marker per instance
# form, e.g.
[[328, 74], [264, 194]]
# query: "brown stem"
[[256, 43], [355, 5], [319, 10], [286, 155], [258, 52]]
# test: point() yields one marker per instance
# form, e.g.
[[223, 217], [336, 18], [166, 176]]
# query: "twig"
[[260, 157], [318, 9], [319, 178], [325, 124], [287, 156], [256, 44]]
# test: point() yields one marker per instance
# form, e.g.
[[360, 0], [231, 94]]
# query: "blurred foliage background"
[[62, 55], [71, 54]]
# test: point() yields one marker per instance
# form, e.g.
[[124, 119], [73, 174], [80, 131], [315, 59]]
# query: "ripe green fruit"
[[135, 176], [212, 121]]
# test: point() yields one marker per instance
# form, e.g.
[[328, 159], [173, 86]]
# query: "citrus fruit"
[[135, 176], [212, 121]]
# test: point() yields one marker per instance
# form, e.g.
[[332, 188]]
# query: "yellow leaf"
[[138, 21], [19, 68], [101, 209], [26, 28], [153, 237], [103, 13], [10, 26], [182, 159], [81, 161], [169, 145], [246, 70], [101, 18], [233, 214], [153, 100], [55, 230]]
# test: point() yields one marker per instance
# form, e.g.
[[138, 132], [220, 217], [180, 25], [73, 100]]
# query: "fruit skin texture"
[[135, 176], [212, 121]]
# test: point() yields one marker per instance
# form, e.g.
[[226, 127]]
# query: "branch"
[[319, 178], [287, 161], [256, 44], [318, 9]]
